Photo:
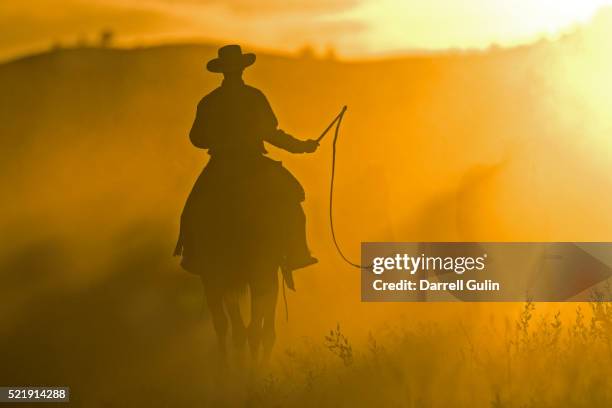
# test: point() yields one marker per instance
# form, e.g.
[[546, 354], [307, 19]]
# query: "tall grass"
[[538, 360]]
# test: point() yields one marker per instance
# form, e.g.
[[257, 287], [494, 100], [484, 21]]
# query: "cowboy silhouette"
[[243, 218]]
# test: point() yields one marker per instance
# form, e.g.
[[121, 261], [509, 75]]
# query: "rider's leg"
[[285, 211], [298, 253]]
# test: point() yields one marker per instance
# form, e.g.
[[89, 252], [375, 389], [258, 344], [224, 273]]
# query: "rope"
[[337, 121]]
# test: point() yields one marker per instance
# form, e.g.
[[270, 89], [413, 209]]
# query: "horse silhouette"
[[243, 219]]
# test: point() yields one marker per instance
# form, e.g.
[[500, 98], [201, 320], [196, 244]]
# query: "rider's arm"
[[278, 137], [285, 141]]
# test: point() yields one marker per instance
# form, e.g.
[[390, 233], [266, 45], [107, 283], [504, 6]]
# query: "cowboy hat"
[[230, 58]]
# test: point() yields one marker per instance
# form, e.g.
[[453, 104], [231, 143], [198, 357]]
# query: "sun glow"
[[400, 24]]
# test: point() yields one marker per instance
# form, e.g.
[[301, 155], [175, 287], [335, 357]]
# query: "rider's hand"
[[310, 145]]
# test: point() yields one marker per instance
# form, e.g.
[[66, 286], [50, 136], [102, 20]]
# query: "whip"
[[337, 121]]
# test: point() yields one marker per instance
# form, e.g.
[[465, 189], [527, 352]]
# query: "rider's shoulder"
[[211, 96], [254, 91]]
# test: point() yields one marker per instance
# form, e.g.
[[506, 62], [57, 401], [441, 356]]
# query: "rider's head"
[[231, 62]]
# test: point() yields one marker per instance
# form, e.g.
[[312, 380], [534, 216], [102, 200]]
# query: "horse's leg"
[[264, 292], [214, 300], [256, 323], [269, 299], [232, 305]]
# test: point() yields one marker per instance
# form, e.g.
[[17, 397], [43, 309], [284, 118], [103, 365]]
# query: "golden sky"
[[353, 27]]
